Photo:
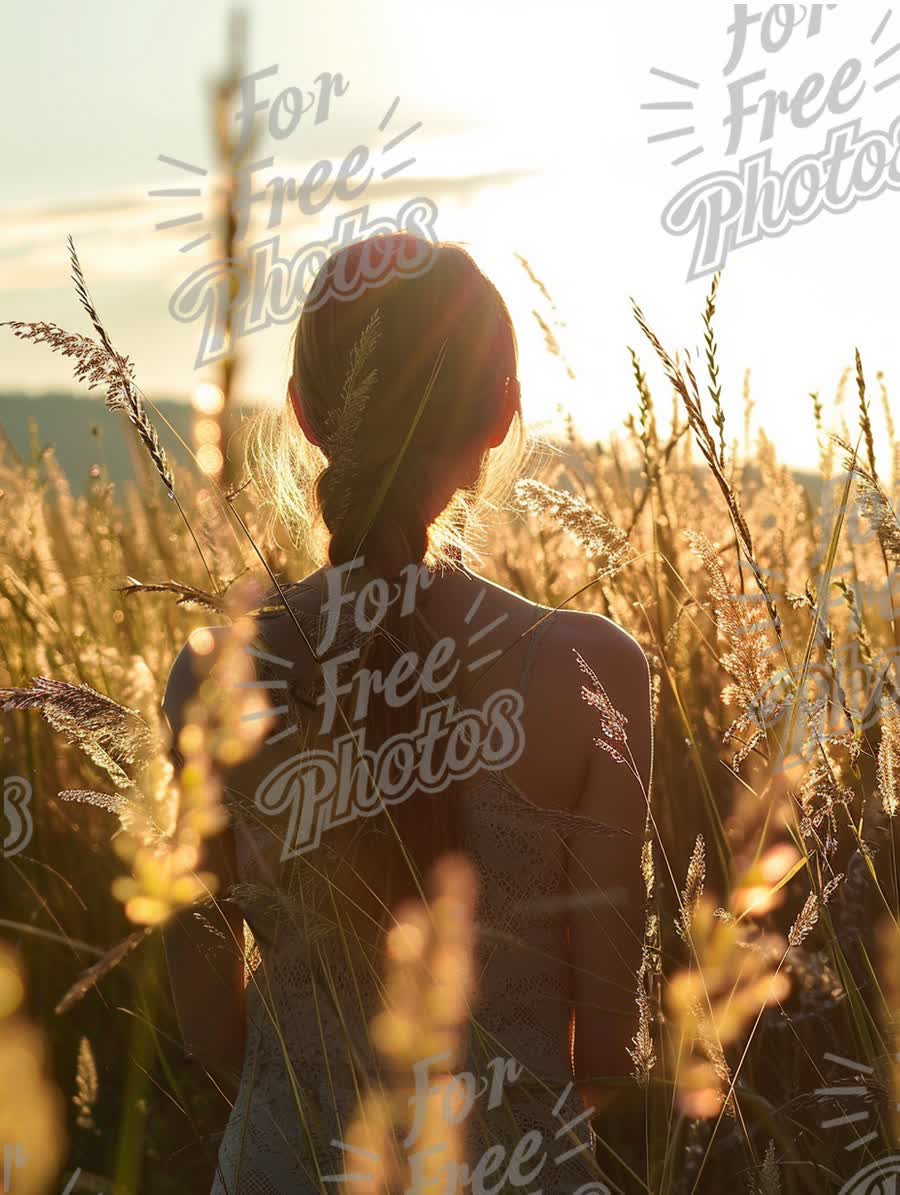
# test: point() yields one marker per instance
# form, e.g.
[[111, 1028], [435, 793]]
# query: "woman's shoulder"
[[569, 656], [556, 627], [574, 649], [586, 629]]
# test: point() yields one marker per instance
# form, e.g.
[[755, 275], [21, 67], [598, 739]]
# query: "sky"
[[531, 139]]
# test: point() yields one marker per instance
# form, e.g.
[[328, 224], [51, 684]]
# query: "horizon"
[[554, 437]]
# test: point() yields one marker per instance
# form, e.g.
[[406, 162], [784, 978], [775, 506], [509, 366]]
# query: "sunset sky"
[[533, 141]]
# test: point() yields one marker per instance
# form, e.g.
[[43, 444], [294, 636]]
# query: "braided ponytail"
[[397, 533]]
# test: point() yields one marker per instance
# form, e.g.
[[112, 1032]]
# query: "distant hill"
[[84, 433]]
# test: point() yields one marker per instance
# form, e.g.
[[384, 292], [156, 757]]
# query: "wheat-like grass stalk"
[[865, 419], [87, 1085], [692, 893], [769, 1178], [187, 595], [111, 735], [749, 659], [100, 364], [642, 1050], [888, 766], [712, 365], [90, 977], [551, 343], [874, 503], [345, 422], [613, 723], [594, 532], [805, 921], [125, 396]]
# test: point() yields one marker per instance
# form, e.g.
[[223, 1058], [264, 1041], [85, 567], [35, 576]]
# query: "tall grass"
[[765, 1007]]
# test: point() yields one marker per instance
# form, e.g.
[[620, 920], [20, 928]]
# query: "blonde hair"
[[395, 382]]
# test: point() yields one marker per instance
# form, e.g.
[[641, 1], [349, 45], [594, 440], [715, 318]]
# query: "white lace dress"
[[309, 1008]]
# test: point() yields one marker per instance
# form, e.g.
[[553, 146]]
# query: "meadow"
[[766, 1036]]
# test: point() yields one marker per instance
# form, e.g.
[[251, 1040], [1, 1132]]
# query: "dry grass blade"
[[234, 493], [551, 343], [596, 534], [100, 364], [756, 690], [693, 889], [769, 1177], [87, 979], [85, 299], [712, 365], [642, 1050], [125, 397], [805, 922], [344, 425], [874, 503], [111, 802], [87, 1086], [613, 723], [689, 394], [888, 767], [87, 718], [187, 595], [93, 362], [865, 420]]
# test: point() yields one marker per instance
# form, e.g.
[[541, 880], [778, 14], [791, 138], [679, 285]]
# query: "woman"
[[404, 388]]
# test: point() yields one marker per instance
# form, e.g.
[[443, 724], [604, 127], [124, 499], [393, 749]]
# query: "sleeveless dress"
[[309, 1007]]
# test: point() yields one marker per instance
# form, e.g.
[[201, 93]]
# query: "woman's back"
[[314, 996]]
